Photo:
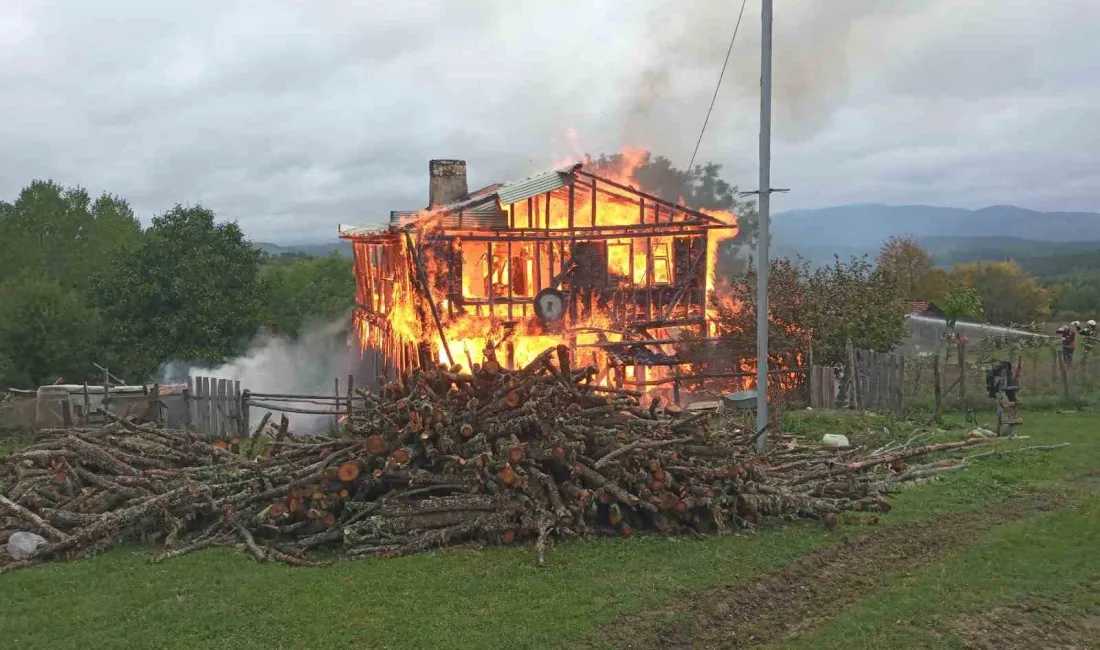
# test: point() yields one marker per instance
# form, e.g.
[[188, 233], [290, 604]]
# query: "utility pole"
[[763, 211]]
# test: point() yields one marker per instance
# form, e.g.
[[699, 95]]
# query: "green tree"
[[1009, 295], [961, 302], [298, 289], [854, 301], [56, 232], [1077, 296], [190, 290], [907, 264], [46, 331], [849, 300]]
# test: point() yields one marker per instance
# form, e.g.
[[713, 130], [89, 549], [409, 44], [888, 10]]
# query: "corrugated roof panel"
[[478, 214], [481, 210], [538, 184]]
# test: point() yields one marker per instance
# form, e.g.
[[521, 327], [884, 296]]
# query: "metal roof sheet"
[[538, 184], [483, 209]]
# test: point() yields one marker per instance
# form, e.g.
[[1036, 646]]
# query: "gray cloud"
[[293, 116]]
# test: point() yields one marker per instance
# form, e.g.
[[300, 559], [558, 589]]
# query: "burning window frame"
[[416, 304]]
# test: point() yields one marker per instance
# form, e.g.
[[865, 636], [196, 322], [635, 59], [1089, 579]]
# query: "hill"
[[312, 249], [952, 235]]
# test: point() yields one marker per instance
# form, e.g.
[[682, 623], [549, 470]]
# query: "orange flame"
[[481, 326]]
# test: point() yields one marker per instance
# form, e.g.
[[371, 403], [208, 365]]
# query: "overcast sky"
[[293, 116]]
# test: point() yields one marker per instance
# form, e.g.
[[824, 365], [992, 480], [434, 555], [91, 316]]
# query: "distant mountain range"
[[952, 235], [340, 246], [1046, 243]]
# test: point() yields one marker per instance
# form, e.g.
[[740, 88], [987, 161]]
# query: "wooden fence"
[[955, 377], [219, 409], [216, 407], [869, 380]]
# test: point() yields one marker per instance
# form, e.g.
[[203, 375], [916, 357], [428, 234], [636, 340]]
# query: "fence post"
[[204, 406], [1063, 373], [222, 403], [936, 388], [850, 399], [962, 372], [154, 404], [235, 409], [246, 419], [351, 395], [187, 404], [336, 392], [900, 390]]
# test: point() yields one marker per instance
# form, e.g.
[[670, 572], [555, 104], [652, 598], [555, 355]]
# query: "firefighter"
[[1069, 336], [1088, 338]]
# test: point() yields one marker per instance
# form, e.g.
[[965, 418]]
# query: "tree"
[[1077, 296], [854, 301], [300, 288], [1009, 295], [849, 300], [46, 331], [961, 302], [907, 264], [190, 290], [934, 285], [57, 232]]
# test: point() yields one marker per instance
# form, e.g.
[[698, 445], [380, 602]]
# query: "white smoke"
[[306, 365]]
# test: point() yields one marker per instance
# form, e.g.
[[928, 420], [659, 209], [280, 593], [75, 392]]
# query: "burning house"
[[562, 257]]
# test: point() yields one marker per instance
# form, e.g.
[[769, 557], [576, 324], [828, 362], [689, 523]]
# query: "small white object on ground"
[[834, 440], [23, 545]]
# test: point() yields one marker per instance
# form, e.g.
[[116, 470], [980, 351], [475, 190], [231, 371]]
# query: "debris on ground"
[[440, 458]]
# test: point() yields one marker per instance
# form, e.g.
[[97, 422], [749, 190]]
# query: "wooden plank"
[[235, 409], [901, 384], [222, 409], [202, 404]]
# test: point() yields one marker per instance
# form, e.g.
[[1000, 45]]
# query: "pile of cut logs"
[[439, 458]]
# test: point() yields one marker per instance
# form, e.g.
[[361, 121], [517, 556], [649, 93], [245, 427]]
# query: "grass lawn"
[[497, 598]]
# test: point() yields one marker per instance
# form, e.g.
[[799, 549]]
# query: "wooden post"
[[676, 386], [154, 404], [106, 391], [236, 410], [901, 384], [593, 202], [351, 393], [336, 392], [815, 387], [936, 388], [87, 405], [196, 404], [246, 420], [223, 401], [962, 372], [1064, 374], [207, 398], [187, 405], [511, 274], [66, 413]]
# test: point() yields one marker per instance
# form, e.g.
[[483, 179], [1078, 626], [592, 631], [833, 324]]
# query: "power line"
[[736, 28]]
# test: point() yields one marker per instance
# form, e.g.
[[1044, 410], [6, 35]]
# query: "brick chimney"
[[447, 182]]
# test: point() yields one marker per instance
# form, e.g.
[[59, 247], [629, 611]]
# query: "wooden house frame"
[[490, 252]]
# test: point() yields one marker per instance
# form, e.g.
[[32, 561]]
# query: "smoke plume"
[[306, 365]]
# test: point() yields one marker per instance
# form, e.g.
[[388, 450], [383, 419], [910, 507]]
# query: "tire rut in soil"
[[782, 604]]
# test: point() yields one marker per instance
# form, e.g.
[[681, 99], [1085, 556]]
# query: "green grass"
[[1048, 558], [498, 598]]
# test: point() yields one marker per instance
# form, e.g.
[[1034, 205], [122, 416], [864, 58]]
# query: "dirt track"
[[800, 597], [1025, 626]]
